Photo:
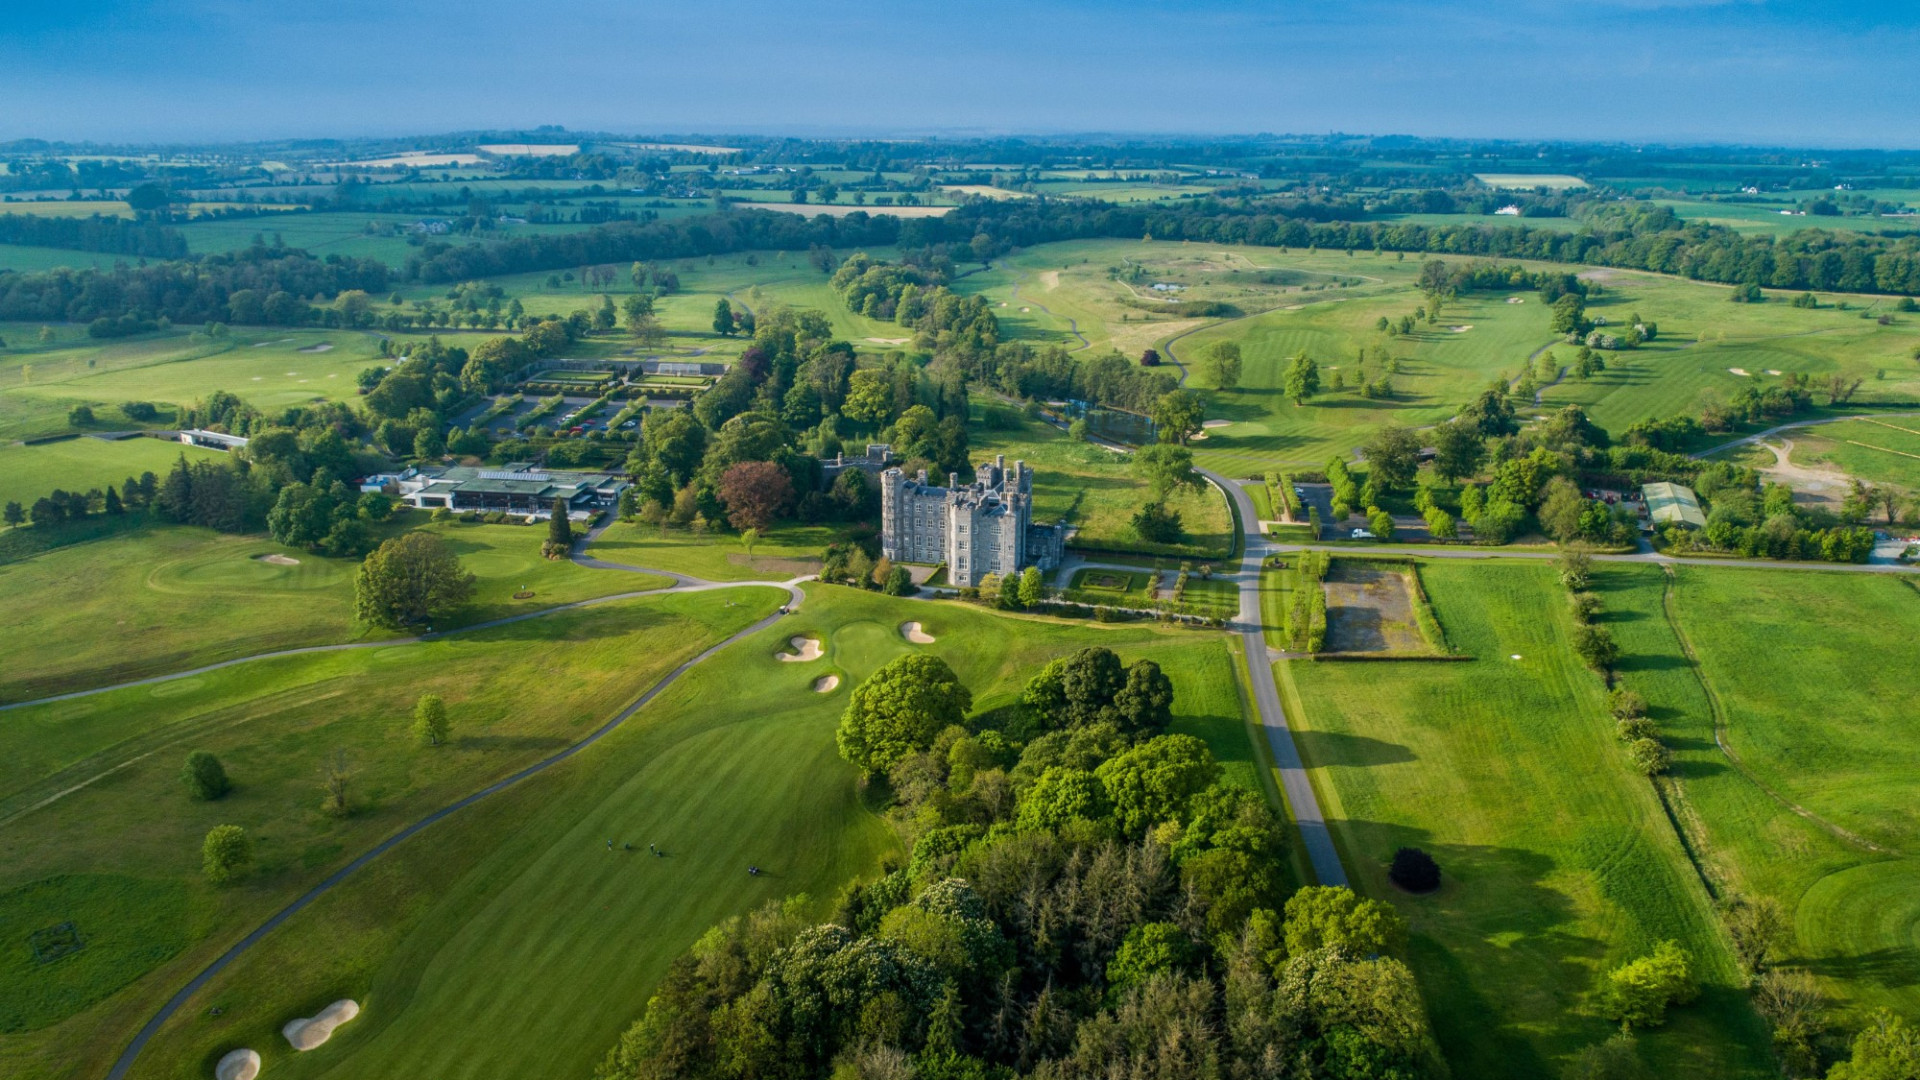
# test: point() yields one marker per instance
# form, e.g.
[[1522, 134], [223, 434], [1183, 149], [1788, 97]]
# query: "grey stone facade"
[[983, 528]]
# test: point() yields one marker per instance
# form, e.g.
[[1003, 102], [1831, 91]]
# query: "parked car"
[[1364, 534], [630, 423]]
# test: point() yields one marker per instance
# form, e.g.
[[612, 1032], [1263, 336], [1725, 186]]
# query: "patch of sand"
[[325, 346], [889, 340], [804, 649], [1773, 371], [305, 1033], [264, 344], [912, 632], [1742, 372], [1216, 423], [1461, 329], [826, 685], [1516, 299], [1026, 309], [278, 559], [1049, 280], [238, 1065]]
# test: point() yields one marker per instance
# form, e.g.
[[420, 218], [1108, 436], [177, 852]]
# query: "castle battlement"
[[985, 527]]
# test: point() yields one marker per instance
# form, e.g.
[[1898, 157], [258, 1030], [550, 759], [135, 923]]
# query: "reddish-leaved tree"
[[756, 493]]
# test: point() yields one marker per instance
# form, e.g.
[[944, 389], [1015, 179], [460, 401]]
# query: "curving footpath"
[[1294, 781], [684, 584]]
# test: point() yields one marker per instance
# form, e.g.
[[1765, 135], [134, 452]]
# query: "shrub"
[[430, 724], [1639, 992], [1649, 756], [1414, 870], [1585, 606], [206, 778], [225, 852], [1625, 704], [1596, 647], [1634, 728]]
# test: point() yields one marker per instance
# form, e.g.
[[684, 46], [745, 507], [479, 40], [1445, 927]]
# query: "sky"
[[1774, 72]]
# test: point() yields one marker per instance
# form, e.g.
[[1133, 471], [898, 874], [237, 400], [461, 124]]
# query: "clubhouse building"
[[983, 528], [516, 488]]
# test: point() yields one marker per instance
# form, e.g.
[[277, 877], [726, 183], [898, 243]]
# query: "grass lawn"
[[1095, 489], [168, 598], [29, 472], [510, 942], [786, 551], [515, 694], [1559, 861], [1811, 674]]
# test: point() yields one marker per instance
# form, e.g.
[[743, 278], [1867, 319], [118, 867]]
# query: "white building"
[[984, 528]]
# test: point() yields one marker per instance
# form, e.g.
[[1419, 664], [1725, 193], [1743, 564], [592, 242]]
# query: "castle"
[[984, 528]]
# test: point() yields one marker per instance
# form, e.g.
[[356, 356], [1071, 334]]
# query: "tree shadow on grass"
[[1327, 748], [489, 743], [1892, 968]]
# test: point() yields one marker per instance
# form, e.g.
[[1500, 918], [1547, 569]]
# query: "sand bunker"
[[1216, 423], [278, 559], [804, 649], [912, 632], [1461, 329], [1516, 299], [306, 1033], [1773, 371], [238, 1065], [325, 346], [889, 340], [826, 684], [1742, 372]]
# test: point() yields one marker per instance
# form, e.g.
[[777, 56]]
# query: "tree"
[[723, 323], [224, 854], [756, 493], [1560, 513], [1154, 781], [1149, 949], [1615, 1059], [1576, 573], [898, 582], [1061, 795], [1649, 756], [1393, 456], [205, 777], [1637, 993], [1414, 870], [1302, 378], [430, 724], [409, 578], [335, 774], [1223, 364], [899, 709], [1156, 524], [1570, 314], [80, 416], [749, 537], [1178, 416], [113, 505], [1165, 468], [1033, 590], [559, 532], [1596, 646], [1458, 450], [1888, 1049], [15, 514], [1320, 916], [1379, 523]]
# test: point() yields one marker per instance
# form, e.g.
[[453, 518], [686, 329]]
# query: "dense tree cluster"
[[1085, 899], [914, 294], [257, 285], [106, 235]]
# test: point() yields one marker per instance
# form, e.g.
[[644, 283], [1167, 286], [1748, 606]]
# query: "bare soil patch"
[[1370, 610]]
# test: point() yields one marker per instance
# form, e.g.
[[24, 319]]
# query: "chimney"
[[923, 478], [1019, 474], [953, 481]]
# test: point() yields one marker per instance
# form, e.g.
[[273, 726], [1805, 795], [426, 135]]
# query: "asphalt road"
[[1305, 805]]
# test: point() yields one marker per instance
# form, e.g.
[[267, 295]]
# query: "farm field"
[[1559, 862], [29, 472], [169, 598], [275, 724], [1873, 451], [524, 890], [1094, 489], [25, 257]]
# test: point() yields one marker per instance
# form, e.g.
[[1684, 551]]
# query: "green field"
[[1810, 723], [168, 598], [523, 892], [1559, 861], [786, 551], [93, 783], [1874, 451], [29, 472]]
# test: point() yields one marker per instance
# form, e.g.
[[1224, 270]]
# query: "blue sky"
[[1782, 72]]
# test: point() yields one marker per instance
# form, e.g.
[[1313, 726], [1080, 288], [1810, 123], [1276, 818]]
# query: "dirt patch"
[[805, 649], [238, 1065], [278, 559], [1370, 609], [826, 684], [305, 1033], [1812, 485], [325, 346], [912, 632]]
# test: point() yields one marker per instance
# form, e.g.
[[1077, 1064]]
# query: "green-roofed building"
[[1673, 504], [515, 489]]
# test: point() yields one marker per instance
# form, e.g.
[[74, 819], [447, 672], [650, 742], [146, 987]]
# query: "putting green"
[[1862, 925]]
